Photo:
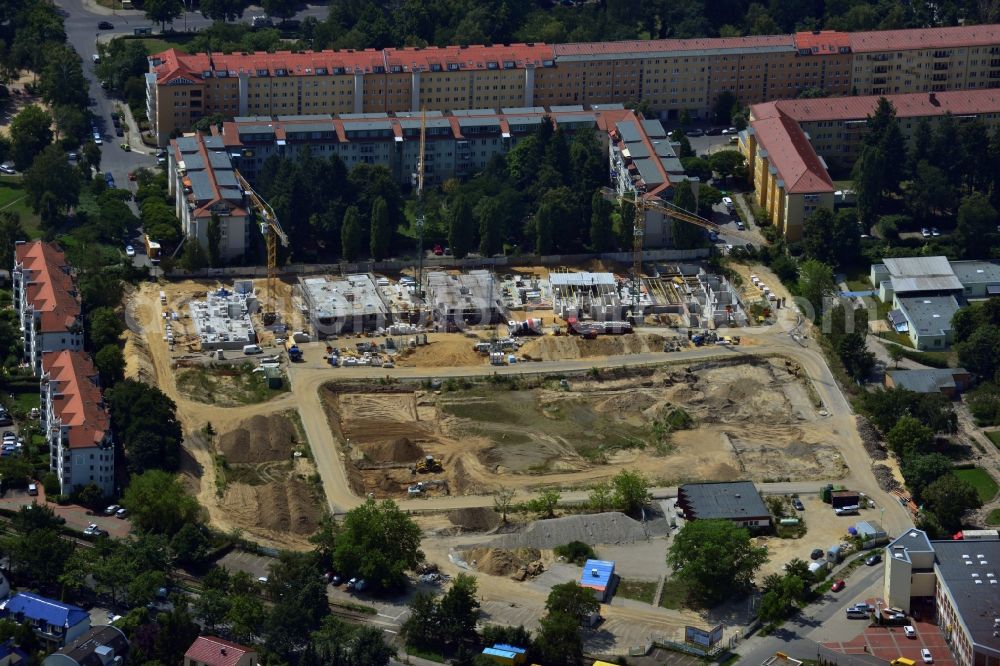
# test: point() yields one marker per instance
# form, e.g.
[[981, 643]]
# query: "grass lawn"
[[640, 590], [979, 479], [675, 592], [993, 518], [162, 43], [27, 401], [227, 385], [13, 200], [857, 278], [994, 436], [430, 656]]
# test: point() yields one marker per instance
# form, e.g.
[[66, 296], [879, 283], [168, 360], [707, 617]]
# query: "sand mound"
[[476, 519], [501, 561], [397, 450], [259, 439], [610, 528], [286, 506]]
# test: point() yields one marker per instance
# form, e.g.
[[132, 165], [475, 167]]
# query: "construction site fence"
[[396, 265]]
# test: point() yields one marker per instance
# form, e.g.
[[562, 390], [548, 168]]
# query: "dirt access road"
[[307, 378]]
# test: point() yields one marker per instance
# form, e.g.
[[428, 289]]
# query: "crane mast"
[[271, 229], [420, 204]]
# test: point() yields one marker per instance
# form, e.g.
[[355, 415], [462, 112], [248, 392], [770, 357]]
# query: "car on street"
[[105, 25], [925, 232], [110, 511], [816, 554], [129, 251], [925, 655], [838, 586], [797, 503], [97, 138], [96, 58], [729, 130], [696, 132], [873, 560], [713, 131], [262, 580], [33, 489], [935, 232], [8, 168], [909, 631]]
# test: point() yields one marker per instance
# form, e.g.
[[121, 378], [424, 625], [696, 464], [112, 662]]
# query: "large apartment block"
[[76, 423], [790, 143], [46, 300], [640, 156], [202, 181], [673, 75]]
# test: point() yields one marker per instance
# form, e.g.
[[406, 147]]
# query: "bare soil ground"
[[261, 439], [752, 420], [444, 350], [568, 347]]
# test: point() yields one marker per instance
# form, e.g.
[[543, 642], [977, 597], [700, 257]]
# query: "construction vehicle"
[[273, 233], [427, 465]]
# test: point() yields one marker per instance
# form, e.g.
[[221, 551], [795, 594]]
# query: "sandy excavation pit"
[[753, 419], [266, 491]]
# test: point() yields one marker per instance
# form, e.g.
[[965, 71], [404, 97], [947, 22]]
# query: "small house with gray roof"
[[738, 501]]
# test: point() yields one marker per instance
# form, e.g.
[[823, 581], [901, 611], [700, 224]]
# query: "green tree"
[[817, 236], [815, 283], [194, 257], [491, 226], [869, 177], [191, 545], [11, 231], [379, 543], [299, 602], [886, 137], [421, 629], [245, 616], [214, 233], [601, 498], [503, 500], [697, 167], [104, 327], [157, 502], [381, 233], [685, 235], [631, 491], [211, 607], [919, 471], [558, 641], [930, 192], [110, 363], [716, 558], [350, 234], [221, 10], [573, 600], [727, 163], [895, 354], [853, 352], [977, 220], [684, 149], [458, 611], [908, 437], [163, 11], [52, 186], [71, 124], [30, 132], [461, 228], [61, 81], [948, 498], [602, 233], [280, 8], [722, 110], [980, 352], [546, 502]]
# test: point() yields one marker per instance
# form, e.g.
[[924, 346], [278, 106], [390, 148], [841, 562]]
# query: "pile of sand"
[[287, 506], [501, 561], [259, 439], [398, 450], [478, 519]]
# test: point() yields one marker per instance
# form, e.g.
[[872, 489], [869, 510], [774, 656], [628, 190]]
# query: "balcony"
[[939, 66], [942, 54]]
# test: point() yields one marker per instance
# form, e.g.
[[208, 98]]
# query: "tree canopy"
[[716, 558], [379, 543]]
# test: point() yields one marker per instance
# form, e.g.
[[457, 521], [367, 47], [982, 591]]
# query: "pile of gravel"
[[871, 439], [607, 528], [885, 478]]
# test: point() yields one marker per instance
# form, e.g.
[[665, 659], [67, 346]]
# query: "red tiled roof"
[[925, 38], [658, 45], [912, 105], [49, 290], [78, 402], [790, 153], [469, 57], [216, 651], [822, 42]]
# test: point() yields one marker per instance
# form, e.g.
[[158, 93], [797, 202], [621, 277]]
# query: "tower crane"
[[420, 204], [666, 209], [271, 229]]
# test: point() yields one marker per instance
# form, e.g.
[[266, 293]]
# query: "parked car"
[[797, 503], [713, 131], [105, 25], [94, 530], [935, 232], [96, 58], [909, 631], [110, 511], [121, 513], [838, 586], [696, 132], [925, 232], [97, 138], [8, 168], [129, 251], [729, 130], [5, 419], [728, 203], [873, 560], [925, 655], [32, 489], [816, 554]]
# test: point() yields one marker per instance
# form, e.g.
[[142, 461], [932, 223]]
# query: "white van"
[[252, 349]]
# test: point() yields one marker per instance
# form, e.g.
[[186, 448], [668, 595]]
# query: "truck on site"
[[293, 351], [152, 249], [902, 661]]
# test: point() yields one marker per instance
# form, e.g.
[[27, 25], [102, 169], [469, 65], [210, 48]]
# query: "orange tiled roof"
[[50, 289], [789, 152], [911, 105], [78, 402], [925, 38], [660, 45], [822, 42]]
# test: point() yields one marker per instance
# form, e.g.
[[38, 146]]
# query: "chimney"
[[934, 99], [223, 651], [593, 572]]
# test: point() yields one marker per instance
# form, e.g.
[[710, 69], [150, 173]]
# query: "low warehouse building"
[[737, 501], [599, 576]]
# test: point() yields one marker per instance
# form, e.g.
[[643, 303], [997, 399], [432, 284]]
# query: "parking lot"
[[77, 517], [890, 642], [251, 563]]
